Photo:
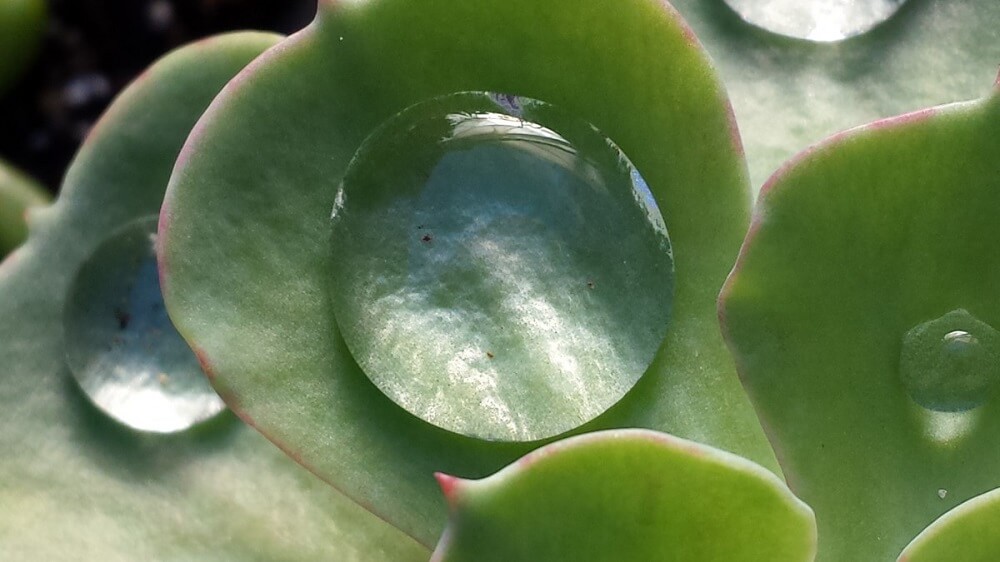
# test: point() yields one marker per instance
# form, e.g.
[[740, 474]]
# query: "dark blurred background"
[[93, 48]]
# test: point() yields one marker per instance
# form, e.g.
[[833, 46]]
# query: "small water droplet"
[[516, 206], [122, 348], [942, 493], [816, 20], [950, 364]]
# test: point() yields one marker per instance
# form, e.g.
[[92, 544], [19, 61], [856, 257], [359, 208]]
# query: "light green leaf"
[[967, 533], [76, 486], [857, 244], [259, 177], [789, 94], [633, 495]]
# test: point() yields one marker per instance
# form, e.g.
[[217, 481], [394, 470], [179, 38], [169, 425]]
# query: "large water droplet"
[[500, 269], [951, 364], [816, 20], [122, 348]]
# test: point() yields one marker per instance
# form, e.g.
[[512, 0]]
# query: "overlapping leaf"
[[73, 484], [633, 495], [855, 243], [964, 534], [789, 94], [259, 178]]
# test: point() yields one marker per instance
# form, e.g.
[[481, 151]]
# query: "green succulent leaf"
[[21, 25], [634, 495], [788, 94], [259, 176], [861, 248], [967, 533], [73, 484], [18, 194]]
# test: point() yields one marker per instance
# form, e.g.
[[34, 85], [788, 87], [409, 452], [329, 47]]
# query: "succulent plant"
[[860, 252]]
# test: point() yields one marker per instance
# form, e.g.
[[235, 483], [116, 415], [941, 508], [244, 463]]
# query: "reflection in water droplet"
[[816, 20], [500, 269], [946, 428], [122, 348], [950, 364]]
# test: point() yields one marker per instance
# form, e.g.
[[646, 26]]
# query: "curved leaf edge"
[[454, 488], [40, 219], [979, 506], [232, 90], [774, 185]]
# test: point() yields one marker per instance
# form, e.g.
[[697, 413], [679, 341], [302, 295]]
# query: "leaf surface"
[[856, 245], [73, 484], [259, 178], [964, 534], [632, 495], [788, 94]]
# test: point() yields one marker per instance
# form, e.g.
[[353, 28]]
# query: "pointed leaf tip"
[[449, 486]]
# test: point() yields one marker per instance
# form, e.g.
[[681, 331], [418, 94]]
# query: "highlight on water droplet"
[[816, 20], [951, 364], [122, 348], [499, 268]]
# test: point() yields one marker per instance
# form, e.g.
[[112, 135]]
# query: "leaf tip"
[[450, 486]]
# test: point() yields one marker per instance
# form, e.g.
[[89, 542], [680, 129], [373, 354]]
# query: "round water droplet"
[[816, 20], [500, 269], [122, 348], [951, 364]]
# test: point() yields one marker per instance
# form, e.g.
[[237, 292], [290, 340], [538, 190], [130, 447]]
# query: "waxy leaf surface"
[[74, 485], [788, 94], [633, 495], [18, 194], [259, 177], [856, 243], [967, 533]]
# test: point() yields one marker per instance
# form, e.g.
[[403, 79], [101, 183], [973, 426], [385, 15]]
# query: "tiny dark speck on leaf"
[[490, 354], [426, 238], [123, 318], [590, 285]]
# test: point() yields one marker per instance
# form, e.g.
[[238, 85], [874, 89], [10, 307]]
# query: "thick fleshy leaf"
[[18, 193], [967, 533], [860, 312], [633, 495], [75, 485], [21, 25], [789, 94], [259, 177]]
